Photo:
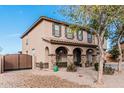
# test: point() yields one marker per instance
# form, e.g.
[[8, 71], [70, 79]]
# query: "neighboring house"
[[111, 59], [122, 47], [51, 41]]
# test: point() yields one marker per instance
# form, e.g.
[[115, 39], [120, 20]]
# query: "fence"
[[17, 61], [1, 64]]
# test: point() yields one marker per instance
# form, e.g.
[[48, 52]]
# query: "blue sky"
[[15, 20]]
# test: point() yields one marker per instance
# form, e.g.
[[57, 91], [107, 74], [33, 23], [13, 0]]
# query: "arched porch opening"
[[61, 54], [46, 55], [77, 56], [89, 55]]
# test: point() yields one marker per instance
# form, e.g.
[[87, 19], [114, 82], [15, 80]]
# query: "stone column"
[[83, 57], [94, 59], [83, 60], [69, 59], [52, 61]]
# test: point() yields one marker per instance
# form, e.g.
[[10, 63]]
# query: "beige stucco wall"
[[47, 26], [35, 41], [44, 29]]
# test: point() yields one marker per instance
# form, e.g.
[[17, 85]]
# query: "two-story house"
[[51, 41]]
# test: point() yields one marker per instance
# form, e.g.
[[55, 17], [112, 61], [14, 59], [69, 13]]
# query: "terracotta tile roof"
[[67, 42], [122, 42]]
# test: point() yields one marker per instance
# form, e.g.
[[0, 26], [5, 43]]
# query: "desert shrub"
[[96, 66], [87, 64], [108, 71], [71, 68]]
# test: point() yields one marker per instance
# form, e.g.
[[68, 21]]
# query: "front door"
[[77, 57]]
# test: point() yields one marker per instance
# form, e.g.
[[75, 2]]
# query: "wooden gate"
[[17, 61]]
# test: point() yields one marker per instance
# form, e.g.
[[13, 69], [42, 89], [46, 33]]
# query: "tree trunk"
[[100, 71], [120, 57]]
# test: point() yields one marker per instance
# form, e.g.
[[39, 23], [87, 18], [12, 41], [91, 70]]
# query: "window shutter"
[[60, 30], [66, 32], [53, 29], [89, 37], [82, 34]]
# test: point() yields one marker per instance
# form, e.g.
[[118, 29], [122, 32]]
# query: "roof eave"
[[44, 18]]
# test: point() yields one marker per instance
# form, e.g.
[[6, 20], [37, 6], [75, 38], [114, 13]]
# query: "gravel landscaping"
[[83, 78], [28, 79]]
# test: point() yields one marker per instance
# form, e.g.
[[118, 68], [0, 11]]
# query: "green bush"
[[96, 65], [71, 68], [108, 71]]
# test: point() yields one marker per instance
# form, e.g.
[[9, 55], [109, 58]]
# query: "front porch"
[[66, 55]]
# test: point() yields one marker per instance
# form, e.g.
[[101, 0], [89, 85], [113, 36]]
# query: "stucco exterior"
[[41, 43]]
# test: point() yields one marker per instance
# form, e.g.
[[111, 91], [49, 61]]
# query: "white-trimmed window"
[[89, 38], [80, 35], [56, 30], [68, 33]]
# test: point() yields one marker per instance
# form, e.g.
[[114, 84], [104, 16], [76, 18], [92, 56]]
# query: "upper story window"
[[80, 35], [89, 37], [33, 50], [56, 30], [27, 41], [68, 33]]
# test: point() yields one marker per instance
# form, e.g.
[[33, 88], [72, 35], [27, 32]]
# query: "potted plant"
[[55, 67]]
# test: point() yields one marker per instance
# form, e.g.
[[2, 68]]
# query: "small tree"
[[114, 52], [117, 37]]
